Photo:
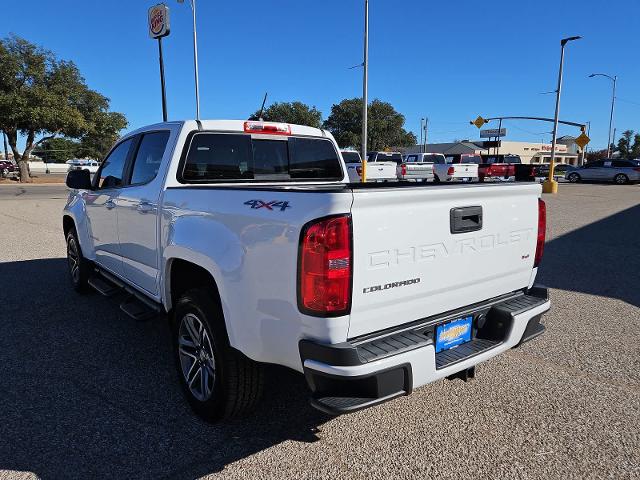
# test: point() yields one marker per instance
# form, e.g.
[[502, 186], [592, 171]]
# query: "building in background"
[[566, 150]]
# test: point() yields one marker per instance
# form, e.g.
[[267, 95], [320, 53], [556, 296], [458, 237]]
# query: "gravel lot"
[[89, 393]]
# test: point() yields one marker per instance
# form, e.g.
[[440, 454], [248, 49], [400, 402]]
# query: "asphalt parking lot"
[[89, 393]]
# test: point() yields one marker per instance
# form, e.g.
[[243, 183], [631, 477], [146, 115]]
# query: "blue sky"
[[448, 61]]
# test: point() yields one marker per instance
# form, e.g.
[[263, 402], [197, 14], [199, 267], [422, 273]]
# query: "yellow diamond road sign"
[[479, 122], [582, 140]]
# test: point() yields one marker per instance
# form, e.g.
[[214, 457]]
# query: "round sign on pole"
[[159, 21]]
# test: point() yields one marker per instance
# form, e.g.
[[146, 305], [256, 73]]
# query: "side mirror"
[[79, 179]]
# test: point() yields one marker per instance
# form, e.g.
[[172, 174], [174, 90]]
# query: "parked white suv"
[[250, 239]]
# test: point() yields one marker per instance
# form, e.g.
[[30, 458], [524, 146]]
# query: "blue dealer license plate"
[[452, 334]]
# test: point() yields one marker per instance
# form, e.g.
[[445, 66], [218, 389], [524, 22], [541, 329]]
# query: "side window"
[[112, 171], [596, 164], [149, 156], [412, 158], [607, 164], [622, 164]]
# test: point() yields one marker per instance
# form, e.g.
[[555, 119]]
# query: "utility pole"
[[613, 142], [365, 80], [421, 132], [550, 185], [426, 131]]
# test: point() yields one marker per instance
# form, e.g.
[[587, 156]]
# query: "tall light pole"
[[421, 132], [550, 185], [613, 79], [426, 131], [365, 81], [192, 3]]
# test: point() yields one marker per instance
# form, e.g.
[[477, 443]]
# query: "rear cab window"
[[388, 157], [216, 157], [351, 157], [477, 159]]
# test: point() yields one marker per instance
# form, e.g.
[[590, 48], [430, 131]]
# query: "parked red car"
[[8, 169]]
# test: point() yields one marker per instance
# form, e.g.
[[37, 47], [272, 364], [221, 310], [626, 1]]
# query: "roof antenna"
[[262, 107]]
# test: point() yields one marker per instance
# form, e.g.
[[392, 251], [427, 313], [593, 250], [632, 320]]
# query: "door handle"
[[110, 204], [144, 207]]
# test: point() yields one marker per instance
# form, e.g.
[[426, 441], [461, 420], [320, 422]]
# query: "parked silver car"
[[608, 170]]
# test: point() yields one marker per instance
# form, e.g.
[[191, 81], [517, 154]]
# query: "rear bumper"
[[370, 370]]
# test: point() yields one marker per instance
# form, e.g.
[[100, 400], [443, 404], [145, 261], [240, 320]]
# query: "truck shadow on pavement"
[[85, 392], [601, 258]]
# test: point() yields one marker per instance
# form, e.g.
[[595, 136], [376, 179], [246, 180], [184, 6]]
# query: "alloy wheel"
[[196, 357]]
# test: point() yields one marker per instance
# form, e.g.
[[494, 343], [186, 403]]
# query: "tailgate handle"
[[466, 219]]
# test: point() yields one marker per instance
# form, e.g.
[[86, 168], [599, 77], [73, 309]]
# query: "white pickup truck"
[[376, 172], [444, 171], [417, 166], [248, 237]]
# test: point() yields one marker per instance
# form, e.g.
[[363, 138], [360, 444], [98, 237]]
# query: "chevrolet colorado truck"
[[250, 240]]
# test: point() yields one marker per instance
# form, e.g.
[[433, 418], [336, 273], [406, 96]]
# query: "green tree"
[[629, 144], [42, 97], [297, 113], [57, 150], [385, 126]]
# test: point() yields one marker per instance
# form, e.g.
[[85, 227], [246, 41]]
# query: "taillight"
[[324, 272], [450, 171], [269, 128], [403, 169], [359, 170], [637, 169], [542, 231]]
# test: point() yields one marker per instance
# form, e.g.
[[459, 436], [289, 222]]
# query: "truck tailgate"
[[465, 170], [408, 265], [416, 170]]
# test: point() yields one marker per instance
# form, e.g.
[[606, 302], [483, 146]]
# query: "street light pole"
[[192, 3], [426, 131], [550, 185], [365, 81], [613, 79], [421, 132]]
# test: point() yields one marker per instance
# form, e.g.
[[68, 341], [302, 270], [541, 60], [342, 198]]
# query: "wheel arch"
[[182, 274], [67, 224]]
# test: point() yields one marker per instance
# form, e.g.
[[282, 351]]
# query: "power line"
[[628, 101]]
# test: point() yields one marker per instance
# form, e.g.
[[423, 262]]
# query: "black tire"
[[79, 267], [621, 179], [573, 177], [235, 381], [436, 178]]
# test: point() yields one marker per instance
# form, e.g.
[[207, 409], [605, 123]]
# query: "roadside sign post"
[[582, 141], [158, 28]]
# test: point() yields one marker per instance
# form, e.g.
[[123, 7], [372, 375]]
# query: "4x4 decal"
[[256, 204]]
